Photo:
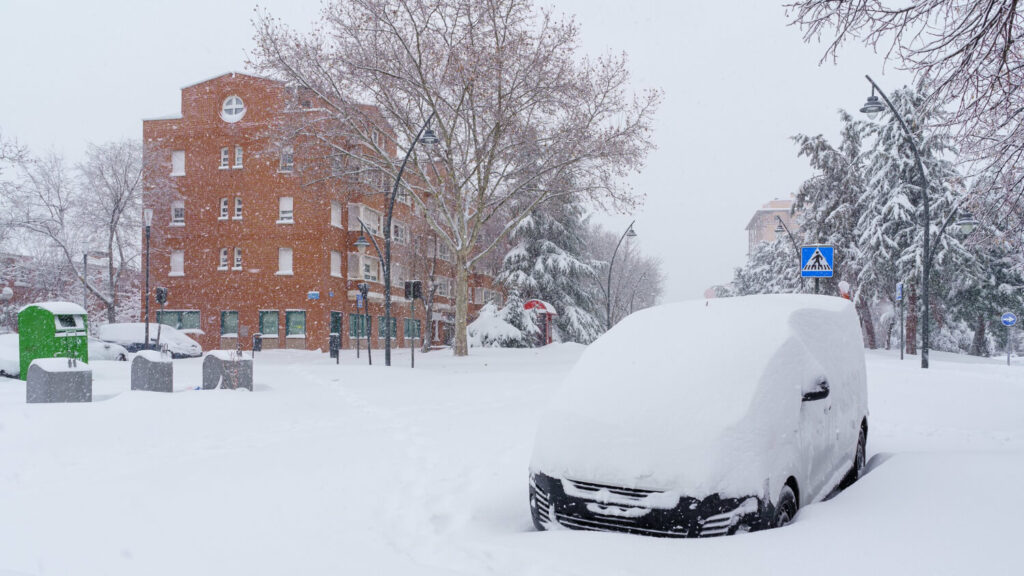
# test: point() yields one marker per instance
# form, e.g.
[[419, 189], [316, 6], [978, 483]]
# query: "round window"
[[233, 109]]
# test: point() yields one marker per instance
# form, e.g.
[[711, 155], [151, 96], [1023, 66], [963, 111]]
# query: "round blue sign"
[[1009, 319]]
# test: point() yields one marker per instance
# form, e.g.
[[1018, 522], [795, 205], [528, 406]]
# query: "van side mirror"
[[818, 392]]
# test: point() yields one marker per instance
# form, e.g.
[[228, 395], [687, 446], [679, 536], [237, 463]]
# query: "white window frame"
[[283, 255], [238, 259], [176, 218], [225, 158], [404, 237], [286, 215], [238, 157], [238, 208], [444, 252], [373, 219], [232, 109], [362, 261], [287, 164], [177, 163], [223, 209], [336, 264], [223, 265], [177, 263], [336, 214], [444, 287]]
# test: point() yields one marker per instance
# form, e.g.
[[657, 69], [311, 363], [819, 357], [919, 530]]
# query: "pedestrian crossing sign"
[[817, 261]]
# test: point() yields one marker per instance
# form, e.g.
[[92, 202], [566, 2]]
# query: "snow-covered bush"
[[510, 326]]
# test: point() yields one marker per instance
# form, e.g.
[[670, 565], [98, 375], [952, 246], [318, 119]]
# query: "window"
[[238, 156], [478, 296], [180, 319], [295, 324], [285, 214], [178, 213], [238, 208], [223, 259], [338, 164], [225, 157], [232, 110], [397, 276], [404, 197], [178, 163], [412, 328], [399, 232], [223, 208], [383, 332], [284, 261], [363, 267], [269, 322], [336, 264], [357, 325], [238, 259], [444, 287], [336, 214], [229, 323], [444, 252], [371, 218], [287, 159], [177, 263]]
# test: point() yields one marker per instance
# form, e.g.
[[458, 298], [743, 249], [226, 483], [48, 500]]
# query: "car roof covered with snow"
[[660, 392]]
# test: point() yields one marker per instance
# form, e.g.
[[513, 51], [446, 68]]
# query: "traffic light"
[[161, 295]]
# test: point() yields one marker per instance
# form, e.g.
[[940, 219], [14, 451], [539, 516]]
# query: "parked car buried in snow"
[[132, 334], [705, 418], [100, 350]]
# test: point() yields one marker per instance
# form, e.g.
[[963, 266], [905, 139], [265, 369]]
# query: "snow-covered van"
[[705, 418]]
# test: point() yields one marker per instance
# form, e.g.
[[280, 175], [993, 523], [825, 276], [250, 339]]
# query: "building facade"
[[247, 240], [765, 221]]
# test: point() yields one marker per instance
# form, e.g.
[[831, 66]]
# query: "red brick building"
[[247, 241]]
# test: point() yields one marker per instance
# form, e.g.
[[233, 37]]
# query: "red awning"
[[540, 306]]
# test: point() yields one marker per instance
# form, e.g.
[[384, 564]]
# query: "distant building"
[[763, 224], [252, 233]]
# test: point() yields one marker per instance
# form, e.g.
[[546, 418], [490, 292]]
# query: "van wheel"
[[785, 509], [860, 458]]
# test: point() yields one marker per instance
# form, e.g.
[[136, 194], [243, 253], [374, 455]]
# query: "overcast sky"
[[738, 83]]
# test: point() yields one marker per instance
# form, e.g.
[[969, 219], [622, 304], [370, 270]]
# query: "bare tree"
[[971, 52], [98, 208], [514, 107]]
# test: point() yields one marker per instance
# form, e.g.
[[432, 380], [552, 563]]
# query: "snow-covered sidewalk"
[[349, 469]]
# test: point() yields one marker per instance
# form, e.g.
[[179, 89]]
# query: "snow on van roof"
[[668, 382], [56, 307]]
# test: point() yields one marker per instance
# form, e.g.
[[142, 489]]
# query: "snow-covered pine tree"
[[772, 268], [889, 233], [547, 261]]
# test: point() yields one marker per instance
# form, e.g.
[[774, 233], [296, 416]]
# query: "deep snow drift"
[[350, 469]]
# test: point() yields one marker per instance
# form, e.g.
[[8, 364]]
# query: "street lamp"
[[147, 218], [85, 278], [629, 233], [427, 137], [872, 108]]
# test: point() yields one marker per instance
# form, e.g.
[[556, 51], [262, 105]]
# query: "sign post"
[[364, 289], [817, 261], [899, 298], [1009, 319], [359, 306]]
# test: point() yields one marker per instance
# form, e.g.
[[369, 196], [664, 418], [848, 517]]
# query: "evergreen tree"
[[772, 268], [547, 261]]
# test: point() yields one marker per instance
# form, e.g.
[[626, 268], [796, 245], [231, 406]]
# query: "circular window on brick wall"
[[233, 109]]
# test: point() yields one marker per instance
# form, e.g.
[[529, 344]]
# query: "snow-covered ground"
[[349, 469]]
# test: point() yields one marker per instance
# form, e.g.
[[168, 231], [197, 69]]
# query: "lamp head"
[[873, 107], [630, 233], [429, 137], [147, 216], [361, 244], [966, 223]]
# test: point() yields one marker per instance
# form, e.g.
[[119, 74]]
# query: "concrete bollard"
[[227, 369], [152, 371], [58, 380]]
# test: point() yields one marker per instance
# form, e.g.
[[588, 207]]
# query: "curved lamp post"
[[872, 108], [629, 233], [425, 136], [147, 217]]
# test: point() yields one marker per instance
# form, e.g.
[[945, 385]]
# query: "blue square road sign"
[[817, 261]]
